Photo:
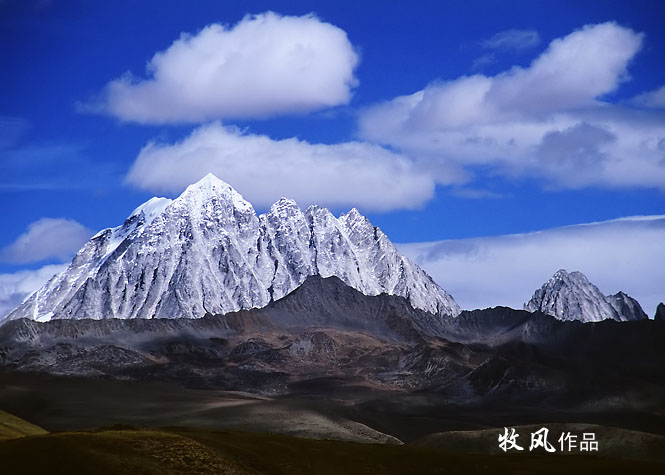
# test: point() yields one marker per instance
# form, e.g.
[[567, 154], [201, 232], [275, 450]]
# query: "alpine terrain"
[[198, 313], [207, 252], [570, 296]]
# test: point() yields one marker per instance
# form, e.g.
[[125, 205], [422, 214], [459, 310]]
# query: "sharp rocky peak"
[[571, 296], [562, 275], [207, 251], [354, 215], [285, 208], [211, 188], [660, 312]]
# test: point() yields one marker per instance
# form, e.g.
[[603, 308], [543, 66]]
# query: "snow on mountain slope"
[[570, 296], [208, 252]]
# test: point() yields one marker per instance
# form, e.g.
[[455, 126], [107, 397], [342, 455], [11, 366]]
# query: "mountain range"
[[200, 290], [311, 312], [207, 251]]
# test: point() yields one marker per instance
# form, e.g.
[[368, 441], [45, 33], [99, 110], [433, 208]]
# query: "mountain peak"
[[564, 275], [209, 183], [210, 187], [210, 179], [660, 312], [571, 296], [152, 208], [210, 253], [354, 216], [284, 205], [354, 213]]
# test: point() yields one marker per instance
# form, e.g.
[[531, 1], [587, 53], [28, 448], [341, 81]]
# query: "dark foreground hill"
[[424, 394], [213, 452], [326, 338]]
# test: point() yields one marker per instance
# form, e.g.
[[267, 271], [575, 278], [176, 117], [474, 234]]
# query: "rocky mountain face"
[[570, 296], [660, 312], [207, 252]]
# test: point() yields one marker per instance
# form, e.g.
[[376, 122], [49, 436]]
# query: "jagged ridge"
[[570, 296], [208, 252]]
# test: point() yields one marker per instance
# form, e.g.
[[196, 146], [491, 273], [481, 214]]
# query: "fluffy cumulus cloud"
[[15, 287], [542, 121], [47, 238], [625, 254], [263, 170], [263, 66]]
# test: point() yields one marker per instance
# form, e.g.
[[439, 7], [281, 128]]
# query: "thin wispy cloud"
[[483, 61], [512, 40], [46, 238], [474, 193], [27, 164], [265, 65]]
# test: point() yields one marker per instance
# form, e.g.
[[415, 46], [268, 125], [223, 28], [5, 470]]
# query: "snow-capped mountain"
[[570, 296], [207, 251]]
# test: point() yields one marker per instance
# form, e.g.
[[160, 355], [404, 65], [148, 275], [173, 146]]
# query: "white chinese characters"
[[508, 441], [539, 439], [568, 442]]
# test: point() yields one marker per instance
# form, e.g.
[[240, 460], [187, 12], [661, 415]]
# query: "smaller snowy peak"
[[627, 307], [151, 209], [353, 216], [571, 296], [319, 217], [285, 222], [660, 312], [284, 209], [109, 239], [355, 222]]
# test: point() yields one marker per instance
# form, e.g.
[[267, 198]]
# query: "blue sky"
[[439, 120]]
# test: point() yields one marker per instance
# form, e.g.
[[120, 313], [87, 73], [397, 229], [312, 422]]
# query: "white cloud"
[[625, 254], [263, 66], [572, 72], [14, 288], [513, 40], [263, 170], [541, 121], [654, 99], [45, 239]]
